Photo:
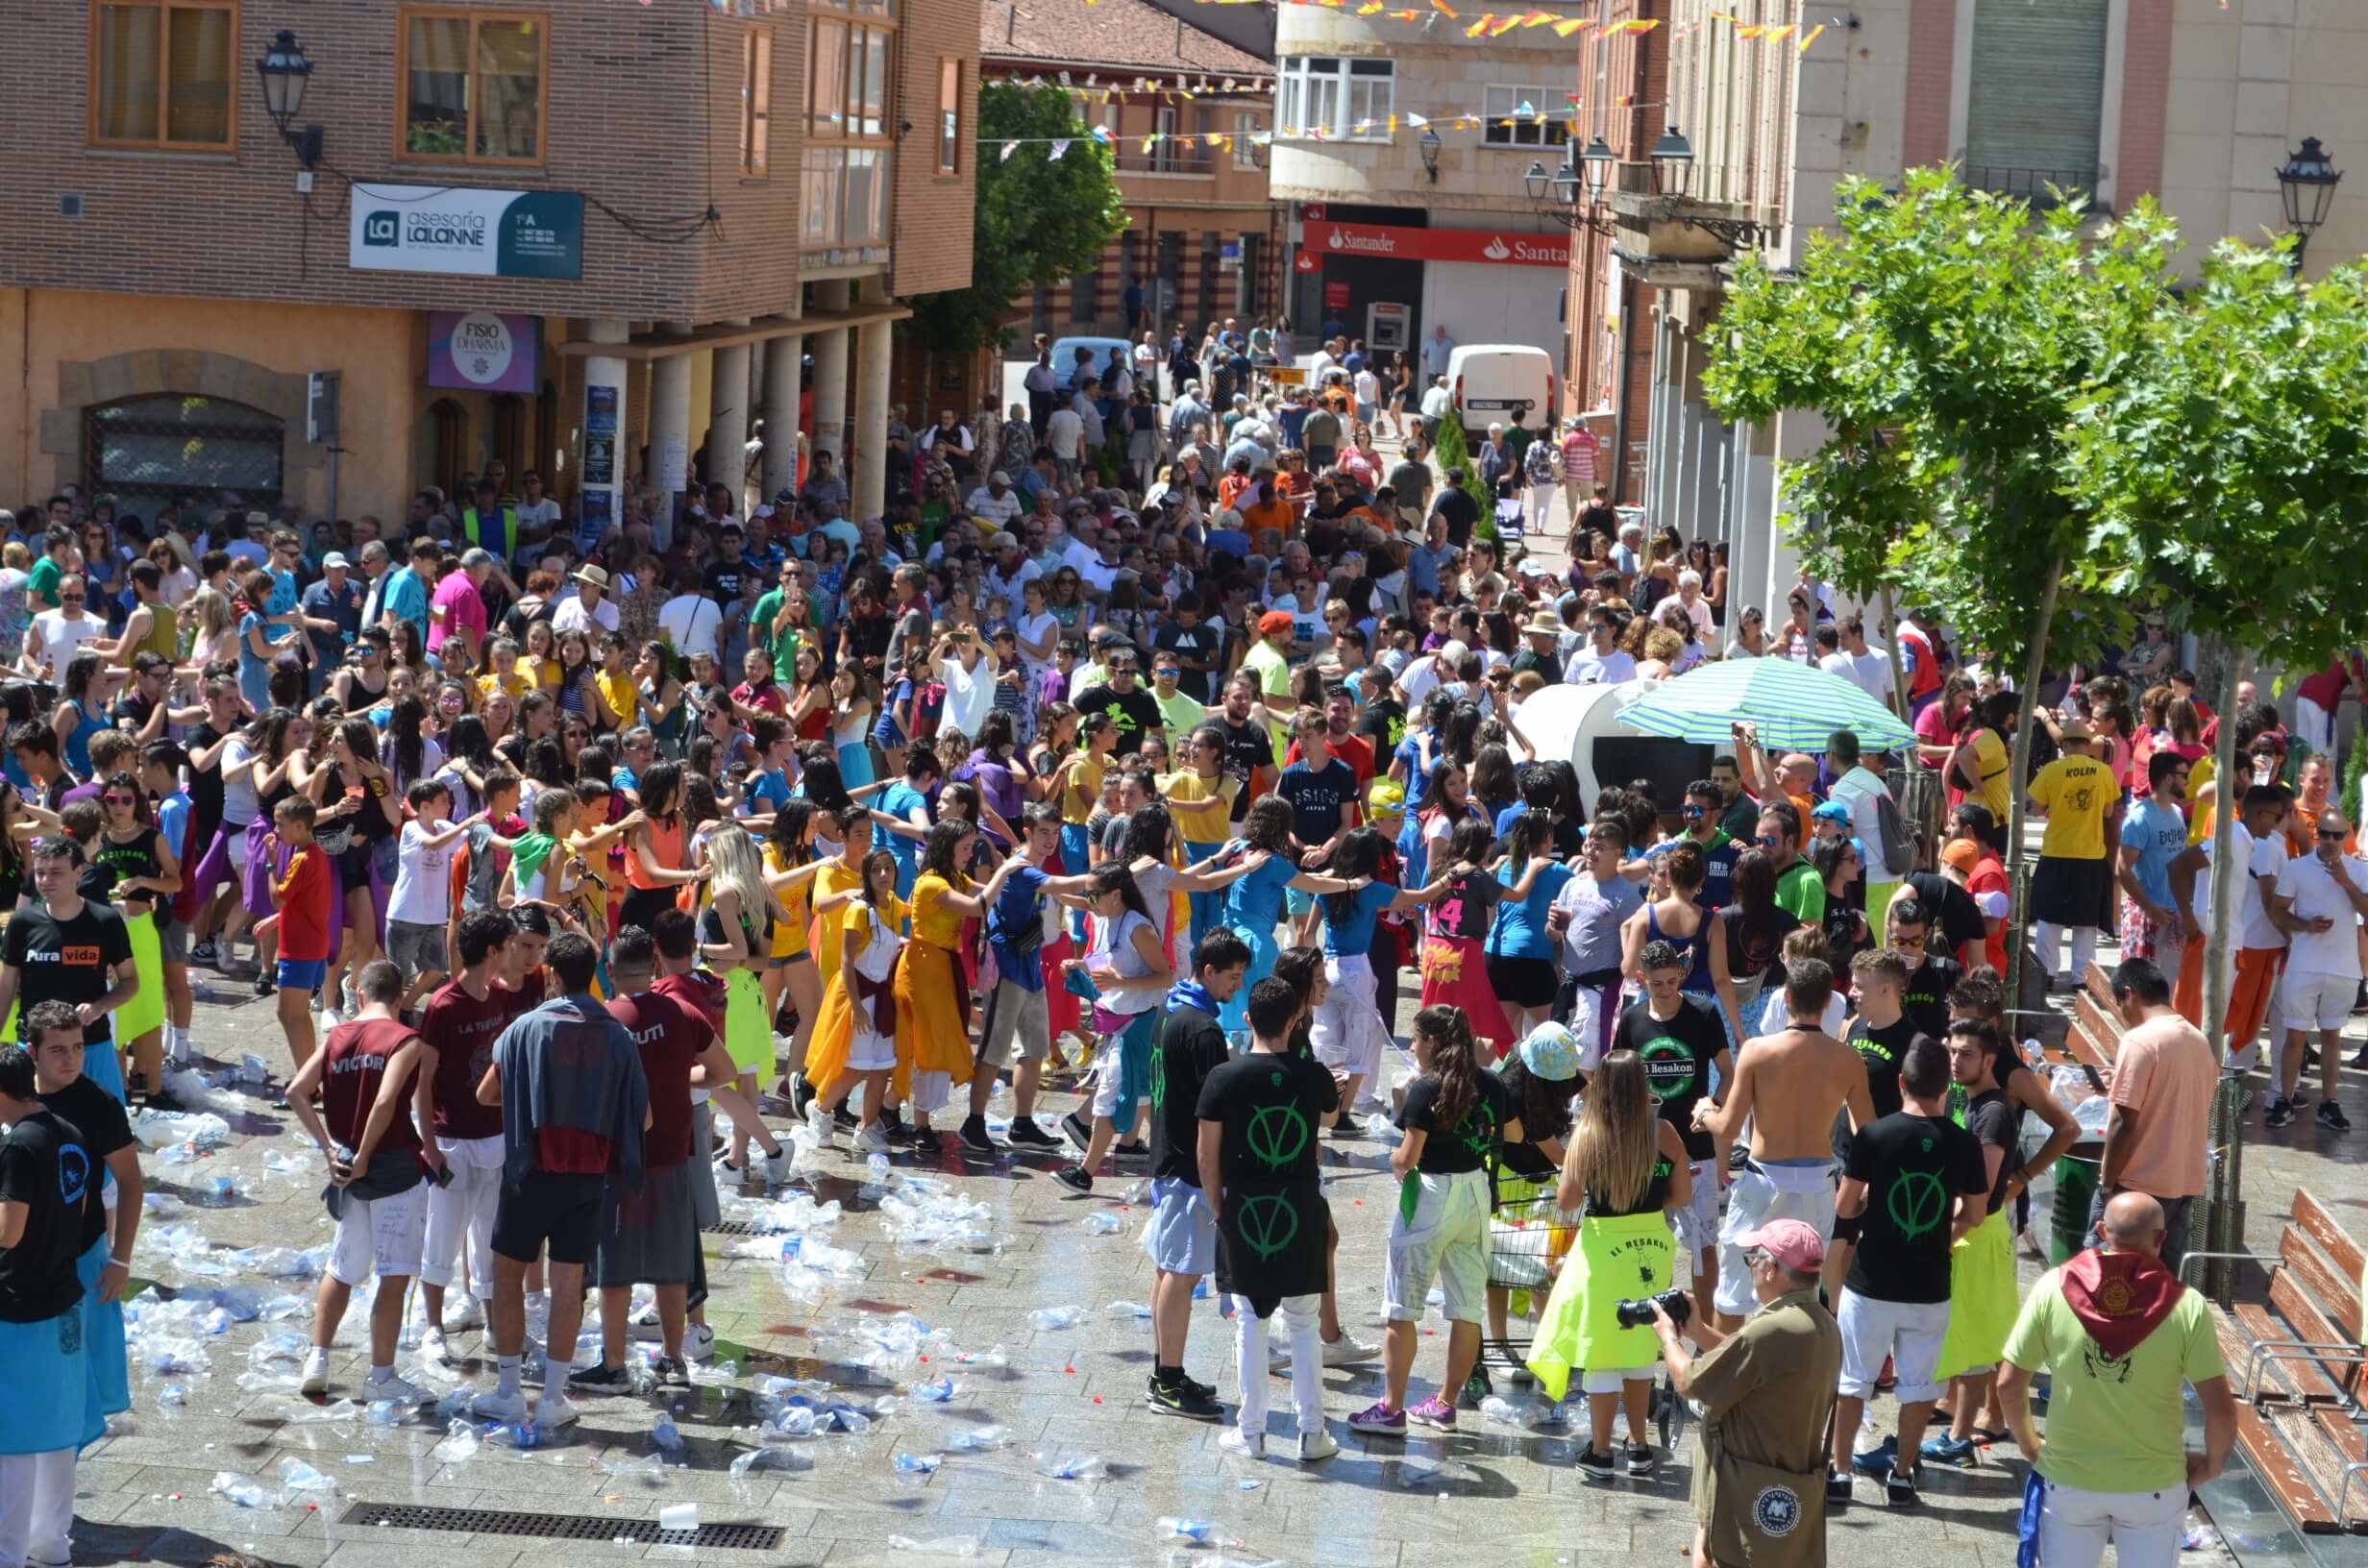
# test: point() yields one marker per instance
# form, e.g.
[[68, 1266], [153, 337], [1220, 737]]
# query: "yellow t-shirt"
[[517, 684], [622, 697], [1200, 826], [2076, 793], [1081, 790], [789, 936], [544, 672], [932, 922], [1992, 763], [836, 878]]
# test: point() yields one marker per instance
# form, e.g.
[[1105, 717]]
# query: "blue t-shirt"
[[766, 792], [1718, 868], [1017, 908], [255, 669], [897, 801], [1520, 931], [406, 596], [173, 824], [1354, 935], [624, 778], [1319, 798], [1418, 774], [2158, 833], [1254, 901]]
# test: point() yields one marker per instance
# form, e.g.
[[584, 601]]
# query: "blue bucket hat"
[[1551, 1052]]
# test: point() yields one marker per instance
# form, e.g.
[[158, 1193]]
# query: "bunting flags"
[[1055, 153]]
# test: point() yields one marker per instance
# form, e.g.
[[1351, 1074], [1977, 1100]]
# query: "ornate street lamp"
[[1672, 158], [286, 73], [2308, 180], [1429, 143]]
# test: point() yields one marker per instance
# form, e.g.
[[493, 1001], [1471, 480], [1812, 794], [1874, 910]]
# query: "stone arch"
[[83, 383]]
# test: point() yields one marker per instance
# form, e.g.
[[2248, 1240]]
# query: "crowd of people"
[[1161, 779]]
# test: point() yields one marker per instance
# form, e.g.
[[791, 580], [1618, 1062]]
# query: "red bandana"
[[2119, 1297]]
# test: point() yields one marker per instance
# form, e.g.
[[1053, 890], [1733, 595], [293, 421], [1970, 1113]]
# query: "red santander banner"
[[1505, 247]]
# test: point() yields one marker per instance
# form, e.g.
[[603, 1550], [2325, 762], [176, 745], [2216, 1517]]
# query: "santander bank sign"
[[1481, 245]]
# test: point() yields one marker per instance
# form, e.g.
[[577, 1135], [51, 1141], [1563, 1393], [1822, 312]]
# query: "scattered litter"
[[460, 1445], [679, 1516], [922, 1465], [978, 1440], [1380, 1129], [768, 1458], [1101, 1222], [518, 1435], [645, 1467], [172, 1393], [1046, 1318], [1199, 1532], [296, 1475], [665, 1433], [995, 1357], [1080, 1467], [1129, 1308], [242, 1490], [304, 1413], [937, 1391], [943, 1546], [361, 1459], [927, 1215], [384, 1412]]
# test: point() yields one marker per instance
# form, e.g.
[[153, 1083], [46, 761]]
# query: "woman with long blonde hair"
[[736, 942], [1625, 1172], [214, 632]]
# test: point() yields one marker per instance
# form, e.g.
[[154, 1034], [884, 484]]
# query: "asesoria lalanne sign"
[[476, 234]]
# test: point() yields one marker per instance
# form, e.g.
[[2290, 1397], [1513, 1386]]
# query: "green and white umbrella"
[[1796, 707]]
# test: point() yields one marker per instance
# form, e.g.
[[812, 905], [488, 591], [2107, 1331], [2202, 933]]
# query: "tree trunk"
[[2225, 1224], [2018, 772]]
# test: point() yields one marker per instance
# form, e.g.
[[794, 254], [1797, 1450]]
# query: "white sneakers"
[[431, 1346], [872, 1140], [1250, 1445], [821, 1123], [555, 1410], [392, 1386], [1317, 1445], [777, 1167], [462, 1312], [316, 1371], [1309, 1447], [495, 1406]]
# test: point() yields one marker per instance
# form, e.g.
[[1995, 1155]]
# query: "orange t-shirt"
[[1278, 515]]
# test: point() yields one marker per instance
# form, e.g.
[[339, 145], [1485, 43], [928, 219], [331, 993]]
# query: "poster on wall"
[[484, 351], [592, 523], [599, 437], [477, 234]]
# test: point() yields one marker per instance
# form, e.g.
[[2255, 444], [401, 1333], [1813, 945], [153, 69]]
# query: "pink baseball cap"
[[1789, 1242]]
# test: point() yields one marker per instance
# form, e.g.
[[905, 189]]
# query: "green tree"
[[1455, 464], [1945, 336], [1039, 220]]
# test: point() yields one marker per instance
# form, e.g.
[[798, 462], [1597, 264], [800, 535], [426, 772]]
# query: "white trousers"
[[2051, 943], [2143, 1526], [36, 1505], [1249, 1340], [463, 1209]]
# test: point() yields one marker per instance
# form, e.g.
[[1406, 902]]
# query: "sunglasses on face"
[[119, 799], [1693, 811], [1766, 843], [1901, 939], [2330, 838]]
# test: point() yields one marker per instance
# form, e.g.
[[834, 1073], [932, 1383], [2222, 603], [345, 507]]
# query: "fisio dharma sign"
[[475, 233]]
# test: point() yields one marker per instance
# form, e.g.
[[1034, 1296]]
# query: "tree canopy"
[[1040, 219]]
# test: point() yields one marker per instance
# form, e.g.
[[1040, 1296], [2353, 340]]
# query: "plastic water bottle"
[[665, 1433], [918, 1464], [1055, 1317], [1495, 1408], [1199, 1532], [521, 1434], [296, 1475], [241, 1490], [979, 1439], [876, 1167], [172, 1393], [1101, 1222], [384, 1412]]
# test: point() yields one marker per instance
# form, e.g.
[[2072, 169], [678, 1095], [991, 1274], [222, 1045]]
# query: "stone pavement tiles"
[[1490, 1493]]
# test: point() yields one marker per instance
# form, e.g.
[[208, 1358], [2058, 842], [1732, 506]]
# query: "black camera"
[[1637, 1314]]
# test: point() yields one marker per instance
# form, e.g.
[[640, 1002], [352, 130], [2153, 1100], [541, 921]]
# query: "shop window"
[[472, 86], [175, 444], [161, 74]]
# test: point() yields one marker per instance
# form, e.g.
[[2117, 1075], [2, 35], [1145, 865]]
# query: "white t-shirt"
[[1589, 669], [1860, 789], [2260, 858], [240, 801], [1064, 430], [2311, 885], [1869, 671], [1035, 629], [969, 695], [423, 879], [690, 621], [62, 638], [1368, 387], [572, 616], [545, 512]]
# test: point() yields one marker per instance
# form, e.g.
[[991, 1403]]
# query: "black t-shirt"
[[100, 1119], [1446, 1150], [204, 786], [1133, 716], [1318, 797], [1461, 513], [1953, 908], [1383, 721], [1203, 641], [1926, 1001], [723, 581], [1995, 1124], [1247, 747], [1913, 1168], [45, 1165], [1678, 1053], [1756, 951], [1469, 907], [1190, 1046], [67, 961], [136, 858], [1270, 1235], [1882, 1050]]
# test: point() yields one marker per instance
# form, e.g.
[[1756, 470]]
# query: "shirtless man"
[[1788, 1087]]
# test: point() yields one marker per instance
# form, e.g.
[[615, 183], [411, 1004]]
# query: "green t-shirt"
[[42, 583], [1179, 714], [2114, 1426], [760, 625], [1801, 892]]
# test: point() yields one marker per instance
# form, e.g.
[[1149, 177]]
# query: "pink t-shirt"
[[2166, 1074], [457, 608]]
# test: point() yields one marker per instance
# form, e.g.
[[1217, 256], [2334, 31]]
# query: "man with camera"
[[1758, 1495]]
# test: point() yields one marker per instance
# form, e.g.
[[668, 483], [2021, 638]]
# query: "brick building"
[[579, 235], [1202, 237]]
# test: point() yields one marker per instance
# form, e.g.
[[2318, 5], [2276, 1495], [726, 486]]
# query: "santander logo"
[[1495, 250]]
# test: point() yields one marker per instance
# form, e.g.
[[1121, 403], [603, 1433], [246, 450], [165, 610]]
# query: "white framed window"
[[1334, 96], [1546, 124], [1245, 150]]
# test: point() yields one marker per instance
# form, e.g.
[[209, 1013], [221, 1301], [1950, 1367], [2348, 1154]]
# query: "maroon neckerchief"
[[2119, 1297]]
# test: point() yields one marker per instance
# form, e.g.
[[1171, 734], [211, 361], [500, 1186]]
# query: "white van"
[[1489, 381]]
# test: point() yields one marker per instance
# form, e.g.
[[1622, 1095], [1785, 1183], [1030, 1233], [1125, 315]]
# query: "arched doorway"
[[174, 444]]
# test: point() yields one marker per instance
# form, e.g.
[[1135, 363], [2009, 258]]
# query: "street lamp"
[[286, 73], [2308, 180], [1429, 143], [1672, 158], [1536, 179], [1596, 163]]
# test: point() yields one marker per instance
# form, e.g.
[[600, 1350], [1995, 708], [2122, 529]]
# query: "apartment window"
[[161, 73], [1245, 150], [472, 86], [1334, 96], [1166, 157], [757, 103], [848, 156], [948, 115], [1538, 127], [2037, 104]]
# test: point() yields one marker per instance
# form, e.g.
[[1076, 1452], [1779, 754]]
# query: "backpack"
[[1898, 848]]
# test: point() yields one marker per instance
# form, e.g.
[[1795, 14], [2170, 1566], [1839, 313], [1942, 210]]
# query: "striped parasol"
[[1796, 707]]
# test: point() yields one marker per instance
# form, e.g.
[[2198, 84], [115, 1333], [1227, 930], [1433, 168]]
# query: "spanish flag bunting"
[[1810, 36], [1644, 24], [1444, 8], [1536, 18], [1750, 30], [1776, 34], [1369, 8], [1570, 26], [1392, 125], [1504, 26], [1479, 27]]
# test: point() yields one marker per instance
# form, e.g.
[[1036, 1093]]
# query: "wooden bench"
[[2295, 1364]]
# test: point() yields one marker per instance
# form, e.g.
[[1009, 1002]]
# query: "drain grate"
[[735, 1227], [565, 1526]]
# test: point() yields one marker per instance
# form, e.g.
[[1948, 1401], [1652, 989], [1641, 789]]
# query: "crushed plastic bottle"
[[994, 1357], [665, 1433], [242, 1490], [516, 1435], [768, 1458], [790, 1421], [1076, 1467], [1129, 1308], [876, 1169], [304, 1414], [1047, 1319], [253, 1069], [297, 1477], [172, 1393], [920, 1466], [2197, 1533], [978, 1440], [941, 1545], [1380, 1129], [460, 1445], [644, 1467], [937, 1390], [384, 1412], [1199, 1532], [1505, 1411], [1101, 1222]]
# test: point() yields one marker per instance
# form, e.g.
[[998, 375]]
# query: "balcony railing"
[[2032, 186]]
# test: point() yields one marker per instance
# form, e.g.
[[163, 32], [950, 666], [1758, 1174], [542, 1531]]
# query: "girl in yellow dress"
[[933, 1001], [790, 867], [836, 887]]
